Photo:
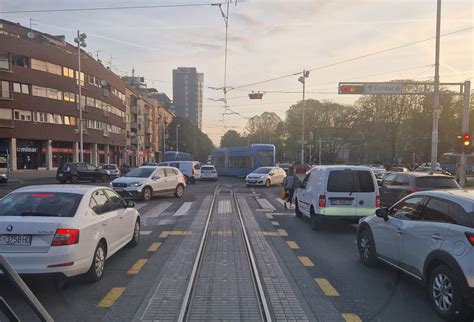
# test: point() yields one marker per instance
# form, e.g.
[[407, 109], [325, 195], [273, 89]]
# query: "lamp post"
[[302, 79], [80, 41], [177, 133]]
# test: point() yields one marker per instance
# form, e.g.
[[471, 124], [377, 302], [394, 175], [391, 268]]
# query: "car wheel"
[[315, 222], [147, 193], [445, 294], [136, 234], [74, 179], [98, 263], [268, 183], [366, 247], [179, 191], [298, 213]]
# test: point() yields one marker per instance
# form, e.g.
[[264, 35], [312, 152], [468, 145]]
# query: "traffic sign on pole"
[[387, 88]]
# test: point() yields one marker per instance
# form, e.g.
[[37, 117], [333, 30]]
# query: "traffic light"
[[351, 89], [463, 143], [466, 138]]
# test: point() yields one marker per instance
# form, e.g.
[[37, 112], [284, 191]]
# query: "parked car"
[[75, 172], [112, 170], [302, 168], [426, 167], [398, 169], [53, 229], [3, 177], [266, 176], [146, 182], [286, 166], [430, 236], [379, 171], [208, 172], [398, 185], [337, 192], [190, 169]]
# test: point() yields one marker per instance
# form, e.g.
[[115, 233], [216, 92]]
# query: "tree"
[[231, 138], [190, 139]]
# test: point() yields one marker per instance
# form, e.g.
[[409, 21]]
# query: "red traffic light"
[[467, 139], [351, 89]]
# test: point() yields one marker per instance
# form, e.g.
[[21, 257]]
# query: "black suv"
[[75, 172], [396, 186]]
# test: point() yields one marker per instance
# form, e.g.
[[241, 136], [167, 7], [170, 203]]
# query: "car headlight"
[[135, 184], [3, 175], [262, 177]]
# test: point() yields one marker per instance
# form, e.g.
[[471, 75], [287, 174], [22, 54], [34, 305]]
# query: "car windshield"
[[109, 167], [40, 204], [206, 167], [436, 183], [140, 172], [263, 170]]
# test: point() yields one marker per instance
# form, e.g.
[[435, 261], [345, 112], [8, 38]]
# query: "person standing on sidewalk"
[[290, 184]]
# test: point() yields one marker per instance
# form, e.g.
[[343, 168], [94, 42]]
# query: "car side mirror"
[[271, 174], [382, 213], [129, 204]]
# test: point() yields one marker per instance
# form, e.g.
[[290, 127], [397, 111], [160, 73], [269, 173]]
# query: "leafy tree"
[[231, 138]]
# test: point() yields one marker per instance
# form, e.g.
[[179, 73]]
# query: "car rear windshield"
[[108, 167], [436, 183], [204, 167], [140, 172], [350, 181], [40, 204]]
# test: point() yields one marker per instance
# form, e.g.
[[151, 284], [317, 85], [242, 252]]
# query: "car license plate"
[[252, 181], [15, 240], [118, 189], [341, 202], [60, 175]]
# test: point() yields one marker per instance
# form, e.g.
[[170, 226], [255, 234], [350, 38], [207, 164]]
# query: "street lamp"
[[177, 133], [80, 40], [302, 80]]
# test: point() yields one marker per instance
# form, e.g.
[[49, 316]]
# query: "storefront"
[[62, 152], [29, 155]]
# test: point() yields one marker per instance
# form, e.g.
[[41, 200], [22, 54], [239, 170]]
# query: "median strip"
[[350, 317], [154, 247], [326, 287], [111, 297], [167, 233], [306, 261], [137, 266]]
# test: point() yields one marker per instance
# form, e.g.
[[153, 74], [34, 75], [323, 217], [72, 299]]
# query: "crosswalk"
[[183, 210]]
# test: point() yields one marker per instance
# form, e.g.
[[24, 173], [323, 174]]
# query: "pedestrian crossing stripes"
[[265, 204], [183, 210], [224, 207], [156, 211], [280, 201]]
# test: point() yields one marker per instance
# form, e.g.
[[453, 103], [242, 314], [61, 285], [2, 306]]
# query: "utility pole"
[[465, 129], [320, 147], [80, 41], [177, 133], [436, 105], [302, 79]]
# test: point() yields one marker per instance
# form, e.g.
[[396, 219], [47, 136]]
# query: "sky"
[[266, 39]]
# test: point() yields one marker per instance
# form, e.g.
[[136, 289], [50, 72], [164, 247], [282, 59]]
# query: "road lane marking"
[[154, 247], [223, 233], [265, 204], [292, 244], [350, 317], [137, 266], [224, 207], [267, 233], [275, 223], [306, 261], [269, 215], [156, 211], [111, 297], [280, 201], [183, 210], [145, 232], [282, 232], [326, 287], [167, 233]]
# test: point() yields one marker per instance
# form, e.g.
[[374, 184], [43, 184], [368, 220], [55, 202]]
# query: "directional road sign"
[[387, 88]]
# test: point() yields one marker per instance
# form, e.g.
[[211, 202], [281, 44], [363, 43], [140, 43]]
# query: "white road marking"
[[156, 211], [145, 232], [265, 204], [224, 207], [280, 201], [183, 210]]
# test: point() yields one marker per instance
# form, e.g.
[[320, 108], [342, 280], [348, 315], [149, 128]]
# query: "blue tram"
[[240, 161], [177, 156]]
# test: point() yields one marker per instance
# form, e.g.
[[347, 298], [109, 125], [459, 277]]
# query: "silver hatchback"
[[430, 236]]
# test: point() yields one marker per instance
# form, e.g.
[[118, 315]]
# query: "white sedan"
[[59, 229]]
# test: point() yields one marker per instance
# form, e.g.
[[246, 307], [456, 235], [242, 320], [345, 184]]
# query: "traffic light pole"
[[465, 129]]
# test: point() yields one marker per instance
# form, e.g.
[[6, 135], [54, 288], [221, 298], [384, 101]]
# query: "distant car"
[[150, 164], [53, 229], [266, 176], [75, 172], [286, 166], [426, 167], [379, 171], [428, 235], [112, 170], [190, 169], [398, 185], [302, 168], [208, 172], [337, 192], [398, 169], [146, 182], [3, 177]]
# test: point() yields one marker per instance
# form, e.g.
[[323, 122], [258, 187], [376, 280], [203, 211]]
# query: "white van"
[[346, 192], [190, 169]]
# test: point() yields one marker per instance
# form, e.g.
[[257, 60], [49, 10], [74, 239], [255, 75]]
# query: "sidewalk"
[[30, 175]]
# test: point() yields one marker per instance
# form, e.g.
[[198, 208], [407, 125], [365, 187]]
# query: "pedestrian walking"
[[290, 184], [457, 175]]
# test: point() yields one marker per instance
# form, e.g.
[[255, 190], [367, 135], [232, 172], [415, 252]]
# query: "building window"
[[69, 97], [5, 114], [4, 61], [22, 115], [45, 66], [68, 72], [90, 101], [58, 119], [21, 88], [20, 60], [54, 94], [40, 117], [83, 77], [4, 89]]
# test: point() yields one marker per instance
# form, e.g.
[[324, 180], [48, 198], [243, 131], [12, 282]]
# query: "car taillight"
[[193, 172], [322, 201], [414, 190], [377, 202], [470, 237], [65, 237]]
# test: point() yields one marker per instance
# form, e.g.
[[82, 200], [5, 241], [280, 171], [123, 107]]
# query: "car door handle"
[[399, 232], [436, 236]]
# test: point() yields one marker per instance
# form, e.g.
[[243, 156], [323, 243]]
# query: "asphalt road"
[[329, 255]]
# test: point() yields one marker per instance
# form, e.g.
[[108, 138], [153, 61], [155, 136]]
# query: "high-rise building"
[[187, 93]]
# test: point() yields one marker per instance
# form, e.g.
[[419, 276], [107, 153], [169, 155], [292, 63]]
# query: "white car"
[[266, 176], [58, 229], [208, 172], [190, 169], [148, 181]]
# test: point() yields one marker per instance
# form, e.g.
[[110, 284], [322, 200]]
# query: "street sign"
[[371, 88]]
